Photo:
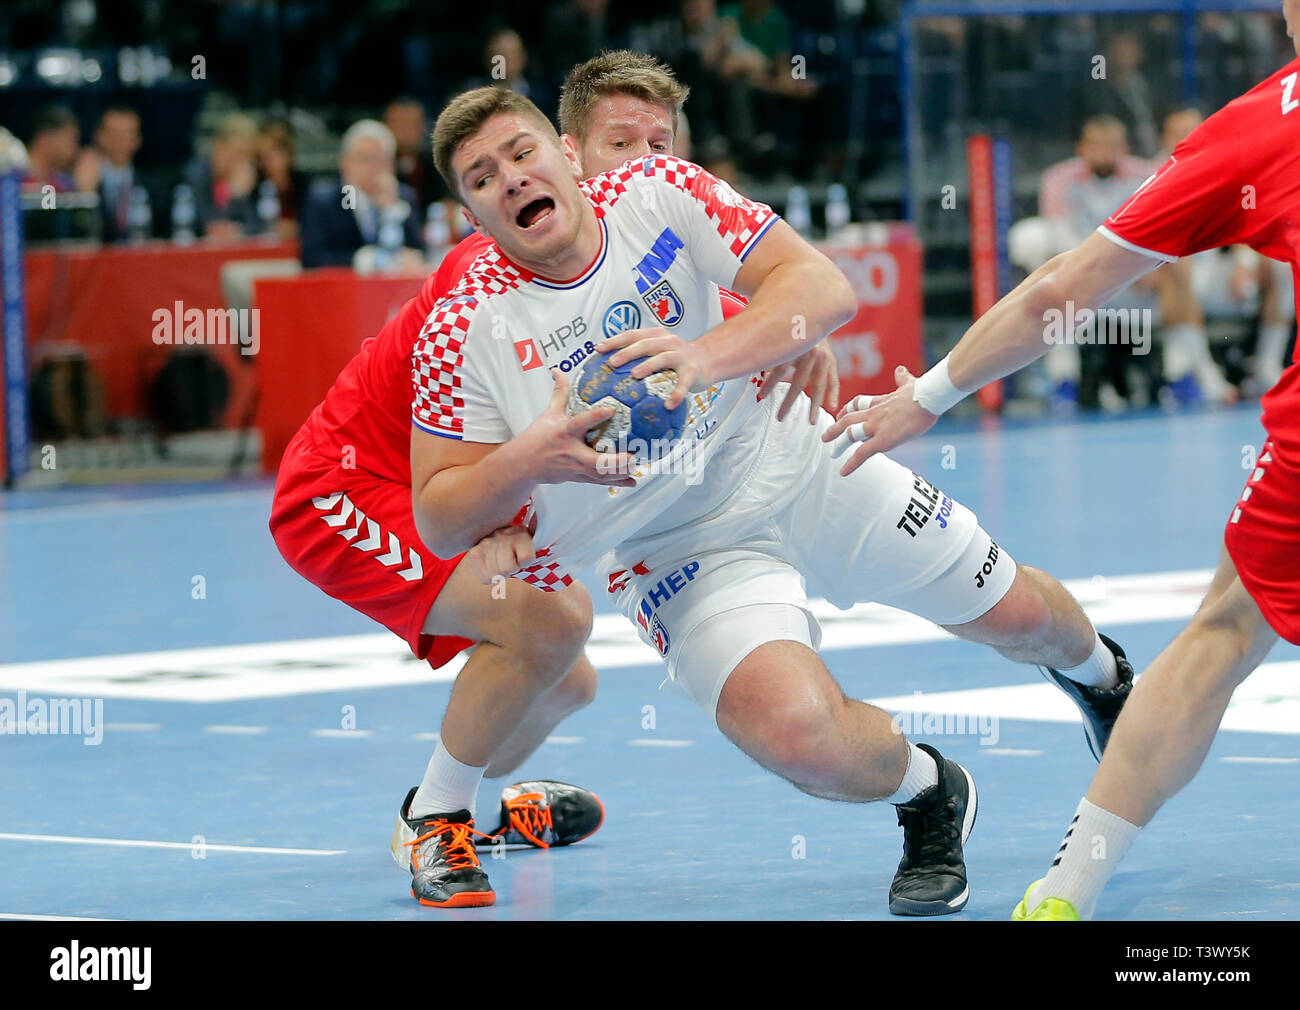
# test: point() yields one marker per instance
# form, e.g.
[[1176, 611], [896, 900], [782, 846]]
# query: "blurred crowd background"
[[227, 120]]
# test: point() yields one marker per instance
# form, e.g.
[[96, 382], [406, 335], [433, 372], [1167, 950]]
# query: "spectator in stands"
[[275, 153], [1082, 191], [52, 150], [108, 168], [1074, 197], [224, 183], [1125, 94], [1189, 368], [344, 216], [506, 63], [405, 118], [758, 54], [696, 43], [573, 32]]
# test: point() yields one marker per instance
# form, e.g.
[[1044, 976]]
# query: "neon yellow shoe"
[[1047, 910]]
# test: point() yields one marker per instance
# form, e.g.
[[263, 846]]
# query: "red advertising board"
[[885, 272]]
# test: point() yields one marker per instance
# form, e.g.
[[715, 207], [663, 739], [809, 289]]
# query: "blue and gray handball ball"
[[641, 423]]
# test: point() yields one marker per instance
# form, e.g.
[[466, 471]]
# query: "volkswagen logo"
[[621, 316]]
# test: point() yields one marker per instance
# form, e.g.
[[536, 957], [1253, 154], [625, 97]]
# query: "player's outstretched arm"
[[1006, 338], [462, 491]]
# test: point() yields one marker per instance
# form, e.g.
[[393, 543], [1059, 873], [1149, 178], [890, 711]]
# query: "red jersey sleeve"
[[1233, 180], [732, 303], [1193, 202]]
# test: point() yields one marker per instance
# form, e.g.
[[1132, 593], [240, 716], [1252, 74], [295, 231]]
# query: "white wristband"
[[934, 390]]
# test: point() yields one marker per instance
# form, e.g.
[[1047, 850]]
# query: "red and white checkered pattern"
[[603, 191], [438, 353], [737, 218], [435, 363], [547, 576]]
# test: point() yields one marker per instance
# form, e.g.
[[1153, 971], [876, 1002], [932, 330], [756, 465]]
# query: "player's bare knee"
[[552, 627], [577, 689], [795, 737]]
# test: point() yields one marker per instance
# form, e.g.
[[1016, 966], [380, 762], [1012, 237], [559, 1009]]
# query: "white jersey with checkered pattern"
[[670, 235]]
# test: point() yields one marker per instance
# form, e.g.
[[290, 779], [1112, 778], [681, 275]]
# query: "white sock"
[[1184, 345], [1089, 856], [1270, 352], [922, 773], [487, 810], [1098, 670], [448, 786]]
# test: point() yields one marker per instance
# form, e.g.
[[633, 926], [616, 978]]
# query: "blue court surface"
[[256, 737]]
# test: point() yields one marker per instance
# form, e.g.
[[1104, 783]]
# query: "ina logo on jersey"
[[656, 292]]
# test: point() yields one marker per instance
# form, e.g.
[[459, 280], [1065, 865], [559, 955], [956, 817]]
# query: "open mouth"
[[535, 212]]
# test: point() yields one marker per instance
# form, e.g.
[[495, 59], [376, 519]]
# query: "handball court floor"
[[257, 736]]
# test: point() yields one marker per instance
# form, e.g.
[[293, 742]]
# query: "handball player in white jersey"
[[708, 552]]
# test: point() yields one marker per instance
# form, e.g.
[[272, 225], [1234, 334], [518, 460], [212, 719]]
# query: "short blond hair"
[[617, 72], [465, 115]]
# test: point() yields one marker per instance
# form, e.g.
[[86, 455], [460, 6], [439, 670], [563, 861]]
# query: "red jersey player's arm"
[[1012, 333], [1192, 203]]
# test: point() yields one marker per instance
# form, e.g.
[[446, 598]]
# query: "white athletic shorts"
[[708, 592]]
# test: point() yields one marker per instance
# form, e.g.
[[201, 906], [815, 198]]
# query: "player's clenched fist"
[[500, 554], [662, 350], [557, 449]]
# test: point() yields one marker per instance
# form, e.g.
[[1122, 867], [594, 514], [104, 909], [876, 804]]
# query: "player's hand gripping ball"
[[641, 424]]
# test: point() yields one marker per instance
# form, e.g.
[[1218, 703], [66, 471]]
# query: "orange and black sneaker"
[[543, 814], [445, 870]]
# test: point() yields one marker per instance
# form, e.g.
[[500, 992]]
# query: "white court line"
[[564, 739], [425, 736], [312, 666], [650, 741], [1261, 760], [337, 733], [19, 916], [135, 843], [1011, 752], [236, 730]]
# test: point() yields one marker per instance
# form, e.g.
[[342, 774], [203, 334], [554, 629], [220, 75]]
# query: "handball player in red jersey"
[[1235, 179], [342, 518]]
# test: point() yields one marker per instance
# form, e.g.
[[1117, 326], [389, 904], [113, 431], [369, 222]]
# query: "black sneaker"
[[541, 814], [445, 870], [1100, 705], [931, 878]]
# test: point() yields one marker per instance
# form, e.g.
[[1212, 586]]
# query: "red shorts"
[[1263, 538], [352, 534]]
